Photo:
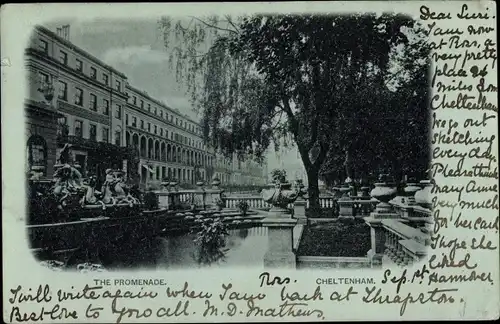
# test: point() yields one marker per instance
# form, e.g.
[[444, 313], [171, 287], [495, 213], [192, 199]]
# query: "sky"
[[135, 47]]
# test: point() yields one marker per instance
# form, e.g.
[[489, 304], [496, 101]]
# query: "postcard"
[[250, 162]]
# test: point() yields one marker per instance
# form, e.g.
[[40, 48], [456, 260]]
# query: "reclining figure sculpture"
[[68, 183], [70, 187], [114, 191]]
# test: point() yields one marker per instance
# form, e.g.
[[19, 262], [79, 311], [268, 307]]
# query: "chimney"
[[63, 32], [65, 29]]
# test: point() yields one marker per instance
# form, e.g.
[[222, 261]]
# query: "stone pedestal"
[[174, 200], [211, 198], [199, 196], [162, 199], [365, 192], [346, 208], [299, 211], [377, 235], [280, 240]]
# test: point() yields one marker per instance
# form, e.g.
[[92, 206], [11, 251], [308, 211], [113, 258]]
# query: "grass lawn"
[[338, 239], [322, 213]]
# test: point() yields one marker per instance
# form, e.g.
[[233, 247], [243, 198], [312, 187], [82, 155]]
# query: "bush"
[[243, 206], [278, 176], [220, 203], [151, 201], [322, 213], [338, 239], [210, 240]]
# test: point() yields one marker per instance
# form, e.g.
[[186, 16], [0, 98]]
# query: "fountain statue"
[[115, 191], [68, 184], [71, 189]]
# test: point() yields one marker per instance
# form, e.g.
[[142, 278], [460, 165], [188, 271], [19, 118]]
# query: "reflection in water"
[[246, 247]]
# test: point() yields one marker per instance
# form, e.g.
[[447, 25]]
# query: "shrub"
[[151, 201], [278, 176], [220, 203], [210, 240], [243, 206]]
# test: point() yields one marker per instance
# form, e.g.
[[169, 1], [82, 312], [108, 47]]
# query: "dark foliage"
[[321, 82], [151, 201], [339, 239]]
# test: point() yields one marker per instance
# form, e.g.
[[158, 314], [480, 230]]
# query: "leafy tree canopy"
[[321, 82]]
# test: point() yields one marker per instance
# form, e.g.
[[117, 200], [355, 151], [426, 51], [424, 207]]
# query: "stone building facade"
[[112, 124]]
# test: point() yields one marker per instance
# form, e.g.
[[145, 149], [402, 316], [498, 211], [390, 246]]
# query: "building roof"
[[158, 102], [89, 56], [79, 50]]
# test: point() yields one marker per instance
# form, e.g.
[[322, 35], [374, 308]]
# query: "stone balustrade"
[[404, 245], [173, 198], [326, 202], [363, 206], [254, 202], [401, 228]]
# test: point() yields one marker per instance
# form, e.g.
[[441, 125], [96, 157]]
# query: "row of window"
[[166, 116], [78, 131], [179, 174], [78, 98], [160, 131], [63, 59]]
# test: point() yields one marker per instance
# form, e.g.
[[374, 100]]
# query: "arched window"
[[37, 154]]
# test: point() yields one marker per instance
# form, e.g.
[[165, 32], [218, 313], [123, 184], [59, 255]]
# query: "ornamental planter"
[[280, 197], [383, 192], [410, 190], [423, 196]]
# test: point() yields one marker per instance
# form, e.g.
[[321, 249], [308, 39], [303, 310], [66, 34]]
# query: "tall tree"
[[306, 79], [398, 113]]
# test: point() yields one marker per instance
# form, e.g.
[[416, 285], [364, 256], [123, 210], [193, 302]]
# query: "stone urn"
[[344, 191], [200, 183], [383, 192], [336, 192], [280, 196], [365, 191], [423, 196], [173, 185], [165, 185], [215, 183], [409, 192]]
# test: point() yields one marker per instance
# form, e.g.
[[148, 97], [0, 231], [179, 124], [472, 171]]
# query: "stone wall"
[[317, 262]]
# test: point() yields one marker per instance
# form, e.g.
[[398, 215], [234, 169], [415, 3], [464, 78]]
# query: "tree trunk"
[[313, 190]]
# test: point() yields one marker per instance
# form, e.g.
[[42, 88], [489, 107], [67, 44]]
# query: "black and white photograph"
[[295, 141]]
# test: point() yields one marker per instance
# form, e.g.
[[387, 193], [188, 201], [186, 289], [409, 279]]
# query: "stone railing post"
[[346, 203], [410, 190], [422, 206], [212, 194], [299, 210], [280, 252], [199, 196], [163, 200], [383, 192], [365, 192], [174, 198]]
